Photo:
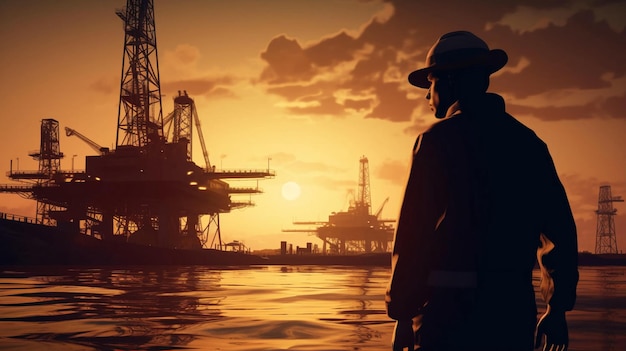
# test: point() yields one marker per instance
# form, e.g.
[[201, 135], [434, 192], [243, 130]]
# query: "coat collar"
[[484, 104]]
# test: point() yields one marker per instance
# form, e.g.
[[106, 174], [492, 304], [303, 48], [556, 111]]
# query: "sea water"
[[307, 308]]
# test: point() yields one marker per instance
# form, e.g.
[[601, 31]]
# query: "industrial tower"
[[140, 116], [606, 240], [363, 203], [356, 230], [49, 157]]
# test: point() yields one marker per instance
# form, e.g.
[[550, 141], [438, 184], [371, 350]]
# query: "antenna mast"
[[140, 115]]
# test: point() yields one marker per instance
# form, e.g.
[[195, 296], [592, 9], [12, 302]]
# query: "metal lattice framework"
[[140, 116], [184, 116], [606, 239], [183, 121], [49, 157], [364, 197]]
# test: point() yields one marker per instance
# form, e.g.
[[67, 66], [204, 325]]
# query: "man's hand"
[[554, 326], [403, 336]]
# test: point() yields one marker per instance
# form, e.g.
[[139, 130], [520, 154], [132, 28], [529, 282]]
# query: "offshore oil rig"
[[147, 190], [356, 230]]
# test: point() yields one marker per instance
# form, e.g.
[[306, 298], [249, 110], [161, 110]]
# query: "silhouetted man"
[[483, 201]]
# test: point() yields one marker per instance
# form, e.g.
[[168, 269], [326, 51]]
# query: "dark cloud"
[[578, 52], [609, 107], [286, 61], [331, 51], [576, 55]]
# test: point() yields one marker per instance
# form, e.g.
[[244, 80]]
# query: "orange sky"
[[315, 85]]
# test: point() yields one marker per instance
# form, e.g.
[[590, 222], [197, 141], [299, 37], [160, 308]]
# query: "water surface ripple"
[[241, 309]]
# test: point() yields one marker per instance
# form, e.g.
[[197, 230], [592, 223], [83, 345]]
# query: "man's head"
[[458, 65]]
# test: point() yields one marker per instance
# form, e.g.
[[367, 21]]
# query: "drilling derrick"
[[49, 157], [364, 199], [606, 239], [140, 116], [182, 119]]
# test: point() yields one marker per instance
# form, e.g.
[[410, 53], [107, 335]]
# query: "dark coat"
[[482, 192]]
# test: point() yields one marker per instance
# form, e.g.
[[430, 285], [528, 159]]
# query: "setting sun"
[[291, 191]]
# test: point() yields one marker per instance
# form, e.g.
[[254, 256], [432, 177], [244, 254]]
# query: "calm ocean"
[[260, 308]]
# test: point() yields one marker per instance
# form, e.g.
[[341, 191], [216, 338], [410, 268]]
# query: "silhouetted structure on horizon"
[[606, 239], [356, 230]]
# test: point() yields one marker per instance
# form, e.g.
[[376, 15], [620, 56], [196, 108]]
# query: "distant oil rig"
[[147, 190], [356, 230], [606, 238]]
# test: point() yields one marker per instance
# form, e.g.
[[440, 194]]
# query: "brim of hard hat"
[[494, 60]]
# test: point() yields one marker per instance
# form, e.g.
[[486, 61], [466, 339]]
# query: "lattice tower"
[[49, 157], [364, 198], [140, 115], [183, 121], [606, 239]]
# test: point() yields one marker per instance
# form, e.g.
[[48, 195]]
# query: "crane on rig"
[[102, 150]]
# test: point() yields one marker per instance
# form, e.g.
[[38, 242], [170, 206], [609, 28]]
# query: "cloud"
[[393, 171], [293, 163], [314, 167], [186, 54], [568, 46], [334, 184], [576, 55], [105, 86], [286, 61], [207, 87]]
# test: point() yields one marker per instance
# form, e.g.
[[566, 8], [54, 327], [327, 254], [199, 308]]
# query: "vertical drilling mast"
[[49, 157], [606, 239], [183, 121], [364, 198], [140, 116]]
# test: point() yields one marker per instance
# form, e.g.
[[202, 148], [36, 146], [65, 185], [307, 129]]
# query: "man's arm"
[[421, 210], [558, 254], [558, 260]]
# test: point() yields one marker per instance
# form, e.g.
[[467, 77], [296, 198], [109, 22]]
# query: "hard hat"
[[456, 50]]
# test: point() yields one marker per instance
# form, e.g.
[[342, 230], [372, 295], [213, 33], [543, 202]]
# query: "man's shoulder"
[[503, 130], [453, 124]]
